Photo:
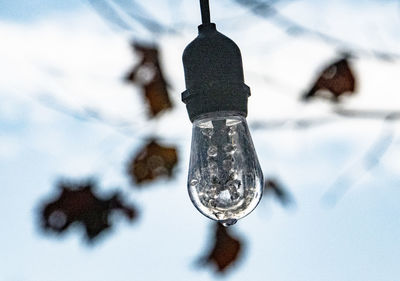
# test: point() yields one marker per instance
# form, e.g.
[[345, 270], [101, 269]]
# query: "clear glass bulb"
[[225, 180]]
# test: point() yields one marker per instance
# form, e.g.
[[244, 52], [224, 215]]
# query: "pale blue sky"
[[22, 10]]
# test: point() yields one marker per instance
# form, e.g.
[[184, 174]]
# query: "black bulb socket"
[[214, 75]]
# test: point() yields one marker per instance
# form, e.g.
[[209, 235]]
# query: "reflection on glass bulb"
[[225, 179]]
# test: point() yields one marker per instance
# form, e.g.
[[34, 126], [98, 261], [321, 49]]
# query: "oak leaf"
[[77, 204], [149, 76], [152, 161], [225, 251]]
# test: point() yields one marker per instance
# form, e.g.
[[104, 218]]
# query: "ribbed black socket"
[[213, 75]]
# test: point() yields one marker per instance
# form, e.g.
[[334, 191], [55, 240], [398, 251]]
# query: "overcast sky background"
[[68, 52]]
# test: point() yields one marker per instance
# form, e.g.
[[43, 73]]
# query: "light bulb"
[[225, 180]]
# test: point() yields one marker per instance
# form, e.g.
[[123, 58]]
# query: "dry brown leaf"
[[77, 204], [337, 79], [226, 249], [153, 161], [149, 76]]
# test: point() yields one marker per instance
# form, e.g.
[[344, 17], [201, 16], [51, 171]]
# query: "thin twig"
[[370, 160], [266, 10]]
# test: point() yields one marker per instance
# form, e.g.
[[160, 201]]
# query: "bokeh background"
[[95, 142]]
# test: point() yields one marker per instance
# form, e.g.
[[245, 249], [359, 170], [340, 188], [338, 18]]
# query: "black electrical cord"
[[205, 11]]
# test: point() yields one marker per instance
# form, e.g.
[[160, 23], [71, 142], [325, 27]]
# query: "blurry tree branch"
[[266, 10], [87, 114], [371, 159], [126, 13], [129, 128], [385, 115], [295, 123], [122, 13], [308, 123]]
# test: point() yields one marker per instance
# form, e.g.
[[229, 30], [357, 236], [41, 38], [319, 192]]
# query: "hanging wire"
[[205, 11]]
